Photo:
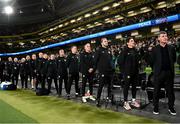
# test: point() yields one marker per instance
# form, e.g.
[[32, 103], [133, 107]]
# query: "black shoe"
[[172, 111], [98, 104], [68, 96], [77, 94], [156, 111]]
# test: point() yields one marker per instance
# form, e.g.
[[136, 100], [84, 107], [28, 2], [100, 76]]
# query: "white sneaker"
[[135, 104], [127, 106], [84, 99], [92, 98], [172, 111]]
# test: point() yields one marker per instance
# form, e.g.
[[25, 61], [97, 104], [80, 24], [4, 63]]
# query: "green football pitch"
[[25, 107]]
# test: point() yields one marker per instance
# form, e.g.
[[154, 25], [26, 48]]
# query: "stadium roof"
[[107, 14], [33, 11]]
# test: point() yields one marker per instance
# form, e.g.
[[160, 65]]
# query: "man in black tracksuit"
[[9, 68], [23, 75], [52, 72], [104, 64], [39, 69], [1, 70], [62, 70], [86, 68], [128, 62], [73, 65], [33, 70], [28, 67], [163, 58], [44, 70], [15, 71], [5, 74]]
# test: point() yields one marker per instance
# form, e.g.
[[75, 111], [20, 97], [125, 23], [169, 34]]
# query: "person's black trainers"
[[98, 104], [68, 96], [77, 94], [172, 111], [156, 111], [59, 95]]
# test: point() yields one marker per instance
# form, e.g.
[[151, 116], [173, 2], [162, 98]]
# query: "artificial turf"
[[11, 115], [24, 106]]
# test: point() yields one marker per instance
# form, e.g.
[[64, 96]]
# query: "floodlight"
[[8, 10]]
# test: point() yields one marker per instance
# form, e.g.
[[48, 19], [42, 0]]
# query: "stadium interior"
[[31, 24]]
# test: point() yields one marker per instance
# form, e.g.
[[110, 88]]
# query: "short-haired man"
[[163, 59]]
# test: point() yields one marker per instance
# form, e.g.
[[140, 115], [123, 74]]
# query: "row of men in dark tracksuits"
[[11, 69], [44, 68], [38, 70], [67, 69]]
